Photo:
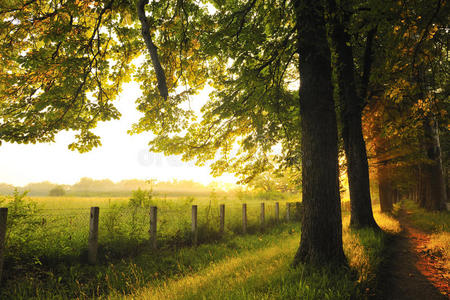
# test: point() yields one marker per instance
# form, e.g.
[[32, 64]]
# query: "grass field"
[[56, 229], [46, 253]]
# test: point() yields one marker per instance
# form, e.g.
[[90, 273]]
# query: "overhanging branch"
[[145, 29]]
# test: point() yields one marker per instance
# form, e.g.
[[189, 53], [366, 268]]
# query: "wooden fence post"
[[288, 211], [262, 216], [194, 225], [222, 218], [93, 236], [3, 219], [153, 226], [244, 218], [277, 211]]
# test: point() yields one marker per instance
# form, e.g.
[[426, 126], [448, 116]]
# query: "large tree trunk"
[[321, 238], [351, 108], [437, 195]]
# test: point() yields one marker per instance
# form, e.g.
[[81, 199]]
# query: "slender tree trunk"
[[351, 108], [321, 238], [416, 187], [358, 174], [395, 195], [385, 189], [437, 195], [422, 192]]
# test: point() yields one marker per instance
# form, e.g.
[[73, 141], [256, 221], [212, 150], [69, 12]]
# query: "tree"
[[286, 181], [6, 189], [64, 62], [351, 103], [320, 182], [412, 79], [57, 191], [252, 53], [256, 106], [39, 188]]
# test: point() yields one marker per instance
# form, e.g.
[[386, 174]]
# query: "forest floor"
[[414, 270]]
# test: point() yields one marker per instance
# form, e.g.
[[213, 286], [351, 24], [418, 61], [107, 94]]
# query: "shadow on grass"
[[129, 271]]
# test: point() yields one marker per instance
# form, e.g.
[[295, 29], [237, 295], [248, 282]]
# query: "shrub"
[[141, 198], [22, 222]]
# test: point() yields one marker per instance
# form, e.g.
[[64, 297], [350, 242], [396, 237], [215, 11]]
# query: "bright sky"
[[121, 156]]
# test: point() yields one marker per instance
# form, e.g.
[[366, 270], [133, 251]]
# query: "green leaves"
[[247, 52], [62, 63]]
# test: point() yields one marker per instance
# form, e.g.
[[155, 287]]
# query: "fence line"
[[151, 218]]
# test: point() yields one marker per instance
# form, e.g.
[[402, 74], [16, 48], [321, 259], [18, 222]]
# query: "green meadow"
[[46, 251]]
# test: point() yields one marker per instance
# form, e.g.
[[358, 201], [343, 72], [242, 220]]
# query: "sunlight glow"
[[121, 156]]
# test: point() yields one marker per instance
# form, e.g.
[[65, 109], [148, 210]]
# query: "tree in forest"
[[352, 101], [57, 191], [413, 81], [320, 180]]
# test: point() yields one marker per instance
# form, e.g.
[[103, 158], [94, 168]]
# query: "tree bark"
[[351, 105], [385, 188], [437, 195], [422, 190], [145, 30], [321, 237]]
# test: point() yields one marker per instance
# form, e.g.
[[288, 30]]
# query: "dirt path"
[[413, 273]]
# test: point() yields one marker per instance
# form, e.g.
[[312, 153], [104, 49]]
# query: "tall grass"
[[265, 273]]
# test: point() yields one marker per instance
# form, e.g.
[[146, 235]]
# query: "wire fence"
[[61, 234]]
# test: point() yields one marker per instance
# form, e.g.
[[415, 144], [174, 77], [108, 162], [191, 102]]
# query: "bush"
[[22, 222], [141, 198]]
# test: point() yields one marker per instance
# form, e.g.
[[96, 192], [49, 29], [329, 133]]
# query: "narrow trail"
[[413, 273]]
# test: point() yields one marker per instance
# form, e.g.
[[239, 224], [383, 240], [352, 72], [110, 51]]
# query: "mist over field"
[[106, 187]]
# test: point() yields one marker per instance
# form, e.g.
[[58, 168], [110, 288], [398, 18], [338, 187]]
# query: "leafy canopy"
[[64, 62]]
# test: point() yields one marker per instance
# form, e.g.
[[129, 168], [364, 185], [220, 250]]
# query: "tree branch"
[[145, 29]]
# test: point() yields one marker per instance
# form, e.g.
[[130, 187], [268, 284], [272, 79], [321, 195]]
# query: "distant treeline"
[[105, 187]]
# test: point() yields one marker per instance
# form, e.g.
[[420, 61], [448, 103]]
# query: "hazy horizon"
[[173, 180]]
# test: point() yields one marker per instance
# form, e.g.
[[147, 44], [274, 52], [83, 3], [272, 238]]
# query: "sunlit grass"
[[387, 222], [266, 273], [440, 245], [226, 276]]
